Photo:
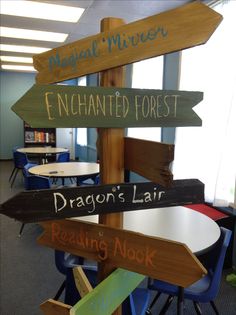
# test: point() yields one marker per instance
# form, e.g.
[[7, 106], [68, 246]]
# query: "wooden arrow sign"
[[109, 294], [170, 31], [52, 307], [49, 204], [74, 106], [146, 255], [150, 159]]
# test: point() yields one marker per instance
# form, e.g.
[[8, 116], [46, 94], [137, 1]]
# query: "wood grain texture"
[[152, 256], [52, 307], [174, 30], [150, 159], [81, 281], [111, 149]]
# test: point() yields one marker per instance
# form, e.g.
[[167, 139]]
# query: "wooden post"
[[111, 148]]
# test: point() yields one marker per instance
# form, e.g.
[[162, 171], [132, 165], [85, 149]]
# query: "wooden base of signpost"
[[111, 149]]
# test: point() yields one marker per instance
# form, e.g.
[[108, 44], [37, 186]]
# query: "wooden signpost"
[[78, 106], [155, 257], [41, 205], [170, 31], [110, 110]]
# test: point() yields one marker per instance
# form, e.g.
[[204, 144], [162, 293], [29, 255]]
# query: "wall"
[[13, 86]]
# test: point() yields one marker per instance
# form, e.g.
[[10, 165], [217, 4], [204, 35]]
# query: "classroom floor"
[[28, 275]]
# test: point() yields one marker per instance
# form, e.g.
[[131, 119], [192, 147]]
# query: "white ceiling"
[[89, 23]]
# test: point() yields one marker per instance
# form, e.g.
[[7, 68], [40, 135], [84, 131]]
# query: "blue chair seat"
[[204, 290]]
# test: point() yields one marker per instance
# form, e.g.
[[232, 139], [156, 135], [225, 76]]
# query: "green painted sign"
[[72, 106], [109, 294]]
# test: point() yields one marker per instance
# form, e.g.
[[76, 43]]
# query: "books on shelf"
[[29, 136], [39, 137]]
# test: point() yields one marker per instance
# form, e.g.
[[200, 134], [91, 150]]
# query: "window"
[[209, 152], [81, 138], [147, 74]]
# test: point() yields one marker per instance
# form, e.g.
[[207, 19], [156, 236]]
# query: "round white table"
[[80, 170], [180, 224], [42, 152]]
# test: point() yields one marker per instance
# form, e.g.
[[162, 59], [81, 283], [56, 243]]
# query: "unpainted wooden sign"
[[136, 252], [177, 29]]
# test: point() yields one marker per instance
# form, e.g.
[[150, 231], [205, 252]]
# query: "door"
[[66, 139]]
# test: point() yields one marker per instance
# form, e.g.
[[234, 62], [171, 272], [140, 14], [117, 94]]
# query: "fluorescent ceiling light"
[[16, 59], [24, 49], [41, 10], [32, 34], [18, 67]]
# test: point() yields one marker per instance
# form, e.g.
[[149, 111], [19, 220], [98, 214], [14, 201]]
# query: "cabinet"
[[39, 136]]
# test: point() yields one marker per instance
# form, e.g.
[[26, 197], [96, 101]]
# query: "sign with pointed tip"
[[58, 106], [52, 307], [170, 31], [151, 256], [50, 204]]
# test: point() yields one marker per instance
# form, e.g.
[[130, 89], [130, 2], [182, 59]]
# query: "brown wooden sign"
[[170, 31], [52, 307], [150, 159], [155, 257], [49, 204], [80, 106]]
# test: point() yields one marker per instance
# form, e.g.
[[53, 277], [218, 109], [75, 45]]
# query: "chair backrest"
[[20, 159], [64, 260], [37, 182], [217, 256], [63, 157]]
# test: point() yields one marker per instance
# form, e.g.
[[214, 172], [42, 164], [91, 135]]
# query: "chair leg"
[[197, 308], [13, 171], [61, 289], [21, 229], [214, 308], [14, 177], [148, 311], [166, 305]]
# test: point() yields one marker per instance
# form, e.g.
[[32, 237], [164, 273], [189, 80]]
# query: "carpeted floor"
[[28, 275]]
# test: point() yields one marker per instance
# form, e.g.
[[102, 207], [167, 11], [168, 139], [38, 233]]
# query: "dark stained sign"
[[177, 29], [49, 204], [76, 106]]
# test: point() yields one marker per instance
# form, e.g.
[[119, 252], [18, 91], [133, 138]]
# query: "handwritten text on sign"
[[33, 206], [170, 31], [70, 106], [122, 248]]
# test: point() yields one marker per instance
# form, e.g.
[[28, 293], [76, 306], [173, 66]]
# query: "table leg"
[[180, 305]]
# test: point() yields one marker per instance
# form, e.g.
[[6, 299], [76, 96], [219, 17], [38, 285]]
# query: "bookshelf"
[[39, 136]]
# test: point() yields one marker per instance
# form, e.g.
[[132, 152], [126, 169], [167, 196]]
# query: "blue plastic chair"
[[64, 261], [20, 162], [206, 289], [135, 304], [33, 182], [63, 157]]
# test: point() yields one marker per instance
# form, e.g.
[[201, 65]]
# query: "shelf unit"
[[39, 136]]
